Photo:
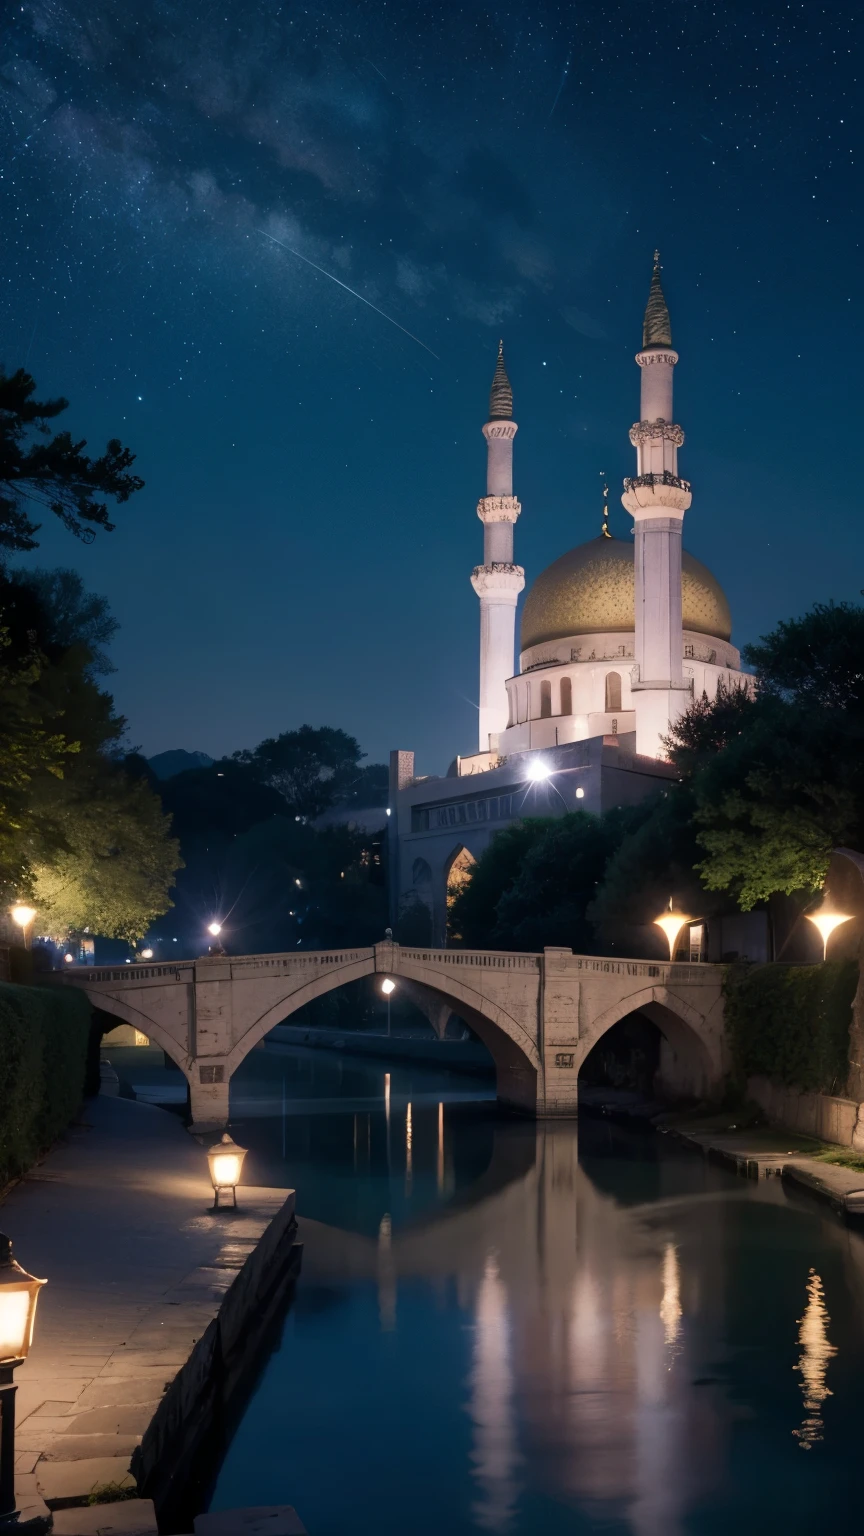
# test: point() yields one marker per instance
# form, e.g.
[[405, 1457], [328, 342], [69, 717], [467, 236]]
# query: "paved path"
[[766, 1150], [117, 1219]]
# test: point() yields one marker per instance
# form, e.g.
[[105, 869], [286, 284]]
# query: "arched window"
[[613, 691], [545, 700], [458, 875], [566, 696]]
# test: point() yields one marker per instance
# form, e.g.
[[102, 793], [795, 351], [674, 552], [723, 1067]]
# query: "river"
[[522, 1329]]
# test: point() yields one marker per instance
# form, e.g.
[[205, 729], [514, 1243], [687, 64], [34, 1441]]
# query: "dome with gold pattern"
[[591, 590]]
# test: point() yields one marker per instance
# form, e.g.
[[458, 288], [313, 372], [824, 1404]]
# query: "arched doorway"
[[458, 874]]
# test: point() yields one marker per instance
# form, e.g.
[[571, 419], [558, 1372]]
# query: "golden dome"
[[591, 590]]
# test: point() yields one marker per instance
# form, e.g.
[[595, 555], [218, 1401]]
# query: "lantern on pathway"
[[19, 1293], [226, 1163], [24, 916]]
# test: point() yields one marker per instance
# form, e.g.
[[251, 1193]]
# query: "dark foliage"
[[38, 470], [791, 1023], [44, 1038]]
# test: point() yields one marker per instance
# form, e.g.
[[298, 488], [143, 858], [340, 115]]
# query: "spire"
[[501, 393], [656, 329]]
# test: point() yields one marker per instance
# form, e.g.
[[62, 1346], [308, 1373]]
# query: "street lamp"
[[671, 923], [146, 954], [226, 1163], [24, 916], [19, 1293], [215, 929], [538, 770], [826, 922], [388, 987]]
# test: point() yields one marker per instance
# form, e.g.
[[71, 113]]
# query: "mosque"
[[616, 640]]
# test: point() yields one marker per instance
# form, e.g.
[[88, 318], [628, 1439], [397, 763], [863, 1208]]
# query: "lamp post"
[[388, 987], [671, 923], [226, 1163], [19, 1293], [24, 916], [826, 922]]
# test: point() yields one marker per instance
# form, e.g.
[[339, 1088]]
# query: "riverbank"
[[117, 1218], [767, 1152]]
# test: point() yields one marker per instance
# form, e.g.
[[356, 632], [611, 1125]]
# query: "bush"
[[44, 1035], [791, 1023]]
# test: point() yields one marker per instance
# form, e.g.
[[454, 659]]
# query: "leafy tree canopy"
[[815, 660], [312, 768], [40, 470]]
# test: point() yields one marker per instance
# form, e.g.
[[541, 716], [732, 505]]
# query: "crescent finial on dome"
[[656, 326], [501, 393]]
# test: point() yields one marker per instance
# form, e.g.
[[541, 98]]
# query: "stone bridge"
[[538, 1014]]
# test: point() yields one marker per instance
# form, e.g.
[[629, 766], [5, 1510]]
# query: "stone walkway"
[[766, 1151], [116, 1218]]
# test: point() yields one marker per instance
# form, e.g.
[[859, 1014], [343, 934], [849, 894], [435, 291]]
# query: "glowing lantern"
[[826, 922], [226, 1163], [19, 1293]]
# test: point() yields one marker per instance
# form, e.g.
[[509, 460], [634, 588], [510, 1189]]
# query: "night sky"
[[303, 547]]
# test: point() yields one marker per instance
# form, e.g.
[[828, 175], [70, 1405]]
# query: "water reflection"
[[495, 1451], [519, 1328], [817, 1351]]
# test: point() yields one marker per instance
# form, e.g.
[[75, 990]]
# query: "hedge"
[[790, 1023], [44, 1037]]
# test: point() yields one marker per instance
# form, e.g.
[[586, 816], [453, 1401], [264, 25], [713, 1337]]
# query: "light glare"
[[671, 923], [826, 922], [388, 986], [214, 928], [538, 770], [23, 915]]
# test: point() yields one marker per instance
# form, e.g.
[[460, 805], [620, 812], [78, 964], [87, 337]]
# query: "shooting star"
[[561, 87], [352, 291]]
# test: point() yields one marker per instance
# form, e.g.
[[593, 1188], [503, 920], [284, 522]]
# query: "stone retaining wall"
[[810, 1114], [180, 1453]]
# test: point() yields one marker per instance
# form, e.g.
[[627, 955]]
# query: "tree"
[[86, 841], [54, 473], [70, 615], [473, 912], [310, 767], [777, 776]]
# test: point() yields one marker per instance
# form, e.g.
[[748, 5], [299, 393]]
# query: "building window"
[[566, 696], [545, 700], [613, 691]]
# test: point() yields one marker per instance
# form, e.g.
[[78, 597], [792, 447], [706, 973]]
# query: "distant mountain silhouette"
[[166, 765]]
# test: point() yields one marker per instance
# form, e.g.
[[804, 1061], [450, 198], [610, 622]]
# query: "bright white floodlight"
[[388, 986], [538, 770], [826, 922], [214, 928]]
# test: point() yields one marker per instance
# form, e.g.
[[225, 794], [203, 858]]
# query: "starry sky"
[[303, 547]]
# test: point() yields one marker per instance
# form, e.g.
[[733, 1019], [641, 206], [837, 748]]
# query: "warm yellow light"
[[226, 1164], [23, 916], [19, 1293], [214, 928], [146, 954], [388, 986], [826, 922], [671, 923]]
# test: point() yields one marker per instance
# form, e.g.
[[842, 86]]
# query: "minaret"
[[657, 499], [497, 581]]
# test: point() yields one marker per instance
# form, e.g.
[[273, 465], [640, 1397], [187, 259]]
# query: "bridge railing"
[[487, 959]]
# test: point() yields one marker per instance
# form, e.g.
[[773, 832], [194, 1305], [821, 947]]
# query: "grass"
[[111, 1493], [844, 1157]]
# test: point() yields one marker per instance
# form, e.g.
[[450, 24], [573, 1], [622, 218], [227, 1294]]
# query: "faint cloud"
[[586, 325]]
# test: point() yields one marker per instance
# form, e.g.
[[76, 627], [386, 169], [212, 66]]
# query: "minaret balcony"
[[498, 580], [498, 509], [643, 432], [656, 493]]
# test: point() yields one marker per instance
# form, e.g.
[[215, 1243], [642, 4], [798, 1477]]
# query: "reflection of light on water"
[[409, 1152], [386, 1276], [495, 1454], [670, 1306], [440, 1148], [813, 1364]]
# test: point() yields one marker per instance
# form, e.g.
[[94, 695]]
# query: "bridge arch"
[[119, 1009], [690, 1064], [512, 1047]]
